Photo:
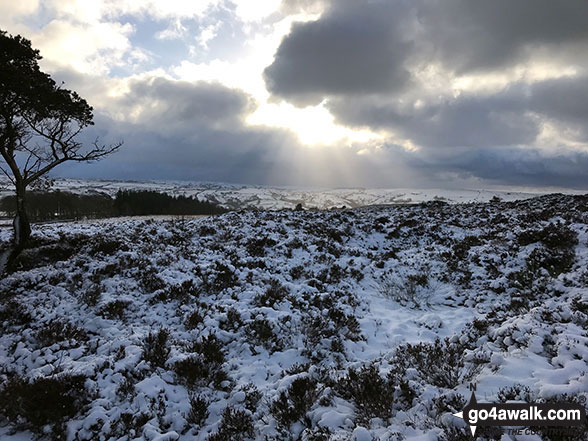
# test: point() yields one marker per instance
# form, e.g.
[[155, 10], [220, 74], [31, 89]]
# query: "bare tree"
[[39, 125]]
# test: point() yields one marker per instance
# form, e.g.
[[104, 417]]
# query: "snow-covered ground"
[[359, 324], [272, 198]]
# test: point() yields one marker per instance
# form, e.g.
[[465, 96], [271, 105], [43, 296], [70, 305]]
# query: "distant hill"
[[264, 197]]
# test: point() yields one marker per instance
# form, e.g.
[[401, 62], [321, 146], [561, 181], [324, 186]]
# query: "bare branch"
[[42, 171], [97, 153], [27, 163], [8, 175]]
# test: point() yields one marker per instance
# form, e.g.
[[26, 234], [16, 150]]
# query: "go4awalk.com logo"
[[553, 415]]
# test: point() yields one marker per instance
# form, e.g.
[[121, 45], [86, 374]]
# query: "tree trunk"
[[22, 231], [22, 226]]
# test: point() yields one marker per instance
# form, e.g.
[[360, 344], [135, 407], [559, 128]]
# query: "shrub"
[[256, 247], [222, 278], [517, 392], [233, 321], [335, 325], [260, 331], [274, 294], [371, 394], [198, 411], [555, 261], [293, 404], [41, 401], [192, 370], [126, 386], [405, 291], [38, 255], [450, 402], [461, 249], [181, 292], [106, 246], [456, 434], [91, 296], [440, 363], [149, 281], [56, 331], [210, 348], [204, 367], [15, 313], [252, 397], [296, 272], [193, 319], [156, 348], [130, 424], [115, 309], [556, 235], [579, 305], [206, 230], [236, 425], [316, 434]]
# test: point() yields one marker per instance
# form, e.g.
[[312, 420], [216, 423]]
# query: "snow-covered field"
[[362, 324], [273, 198]]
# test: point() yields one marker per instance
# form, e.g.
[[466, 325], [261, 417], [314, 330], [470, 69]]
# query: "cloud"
[[16, 9], [505, 166], [564, 100], [367, 47], [486, 35], [447, 90], [175, 31], [182, 107], [92, 48], [468, 121], [352, 49], [307, 6], [180, 130], [112, 9], [513, 116]]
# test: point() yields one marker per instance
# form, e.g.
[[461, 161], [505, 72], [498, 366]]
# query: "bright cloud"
[[313, 125], [87, 48]]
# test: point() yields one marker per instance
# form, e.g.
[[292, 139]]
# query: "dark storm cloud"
[[513, 116], [162, 103], [504, 165], [229, 155], [564, 100], [179, 104], [366, 47], [469, 121], [351, 50], [239, 155], [477, 35]]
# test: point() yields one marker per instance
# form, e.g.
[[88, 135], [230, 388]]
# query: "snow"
[[237, 196], [279, 291], [361, 434]]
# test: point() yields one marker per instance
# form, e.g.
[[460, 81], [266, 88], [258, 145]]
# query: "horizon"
[[187, 184]]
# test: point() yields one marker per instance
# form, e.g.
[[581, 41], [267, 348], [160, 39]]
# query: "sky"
[[332, 93]]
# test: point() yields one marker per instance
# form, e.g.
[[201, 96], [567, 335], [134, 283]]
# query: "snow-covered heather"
[[362, 324]]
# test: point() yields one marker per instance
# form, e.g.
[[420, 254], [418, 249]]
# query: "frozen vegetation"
[[347, 325]]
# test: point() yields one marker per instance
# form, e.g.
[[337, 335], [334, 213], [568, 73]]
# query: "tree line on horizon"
[[56, 205]]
